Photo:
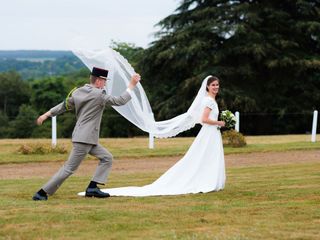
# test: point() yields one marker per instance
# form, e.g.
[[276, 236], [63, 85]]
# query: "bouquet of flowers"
[[229, 118]]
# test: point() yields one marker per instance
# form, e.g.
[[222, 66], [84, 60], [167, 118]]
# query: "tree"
[[130, 51], [13, 92], [4, 123], [48, 92], [24, 123], [265, 52]]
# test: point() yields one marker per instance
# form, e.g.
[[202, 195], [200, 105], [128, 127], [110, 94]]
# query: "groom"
[[88, 102]]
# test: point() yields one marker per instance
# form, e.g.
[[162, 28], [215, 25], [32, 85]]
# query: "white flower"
[[229, 118]]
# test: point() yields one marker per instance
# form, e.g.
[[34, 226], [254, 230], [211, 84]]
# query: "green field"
[[138, 147], [259, 202]]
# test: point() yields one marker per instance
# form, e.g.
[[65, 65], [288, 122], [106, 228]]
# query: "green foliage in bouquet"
[[229, 118], [233, 138]]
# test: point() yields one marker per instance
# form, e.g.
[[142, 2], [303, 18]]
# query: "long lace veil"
[[138, 110]]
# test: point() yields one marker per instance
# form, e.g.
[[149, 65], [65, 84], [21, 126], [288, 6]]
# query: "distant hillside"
[[32, 64], [34, 54]]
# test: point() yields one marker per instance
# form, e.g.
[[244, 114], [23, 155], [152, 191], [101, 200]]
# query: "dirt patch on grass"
[[87, 168]]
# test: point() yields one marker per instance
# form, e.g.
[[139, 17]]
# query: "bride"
[[202, 169]]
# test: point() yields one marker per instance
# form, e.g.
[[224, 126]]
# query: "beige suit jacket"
[[89, 103]]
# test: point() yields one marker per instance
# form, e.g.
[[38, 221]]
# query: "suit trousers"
[[78, 153]]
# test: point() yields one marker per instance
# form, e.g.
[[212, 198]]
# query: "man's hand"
[[43, 117], [134, 80]]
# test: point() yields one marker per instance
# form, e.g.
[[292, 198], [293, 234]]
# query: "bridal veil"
[[138, 111]]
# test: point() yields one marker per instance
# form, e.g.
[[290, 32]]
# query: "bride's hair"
[[210, 80]]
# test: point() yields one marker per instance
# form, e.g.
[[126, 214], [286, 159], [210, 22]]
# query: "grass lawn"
[[259, 202], [138, 147]]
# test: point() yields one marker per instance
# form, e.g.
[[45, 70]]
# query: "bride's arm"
[[207, 120]]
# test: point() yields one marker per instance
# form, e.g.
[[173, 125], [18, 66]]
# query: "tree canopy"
[[265, 52], [13, 93]]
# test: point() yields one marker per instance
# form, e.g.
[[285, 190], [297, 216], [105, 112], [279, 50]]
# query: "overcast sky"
[[55, 24]]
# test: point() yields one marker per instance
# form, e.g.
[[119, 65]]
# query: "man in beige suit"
[[88, 102]]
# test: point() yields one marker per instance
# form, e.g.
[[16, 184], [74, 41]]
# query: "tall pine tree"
[[266, 52]]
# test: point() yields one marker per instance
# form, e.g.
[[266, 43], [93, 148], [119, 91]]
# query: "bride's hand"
[[221, 123]]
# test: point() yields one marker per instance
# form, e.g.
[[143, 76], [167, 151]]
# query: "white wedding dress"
[[201, 170]]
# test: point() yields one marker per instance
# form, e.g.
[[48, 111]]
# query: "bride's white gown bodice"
[[202, 168]]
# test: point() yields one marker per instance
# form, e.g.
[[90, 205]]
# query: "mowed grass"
[[274, 202], [138, 147], [261, 202]]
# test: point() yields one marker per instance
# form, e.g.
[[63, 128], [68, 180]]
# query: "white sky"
[[54, 24]]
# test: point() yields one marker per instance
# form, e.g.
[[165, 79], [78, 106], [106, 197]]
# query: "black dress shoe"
[[96, 192], [38, 197]]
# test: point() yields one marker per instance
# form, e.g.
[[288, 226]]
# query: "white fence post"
[[237, 115], [151, 141], [54, 131], [151, 137], [314, 126]]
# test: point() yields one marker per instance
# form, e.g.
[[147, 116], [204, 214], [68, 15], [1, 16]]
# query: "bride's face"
[[214, 87]]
